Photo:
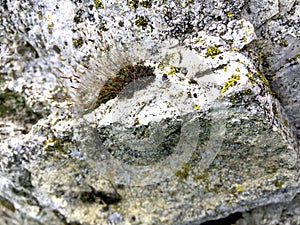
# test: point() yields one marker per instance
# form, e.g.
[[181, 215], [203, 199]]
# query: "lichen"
[[78, 42], [229, 15], [239, 188], [183, 172], [231, 82], [171, 70], [212, 51], [98, 4], [278, 183], [283, 43], [135, 3], [141, 21]]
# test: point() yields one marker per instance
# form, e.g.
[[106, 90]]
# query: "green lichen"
[[286, 122], [183, 172], [294, 59], [236, 97], [103, 27], [230, 82], [271, 76], [204, 177], [53, 144], [78, 42], [40, 15], [283, 43], [146, 4], [275, 110], [6, 204], [212, 51], [279, 183], [98, 4], [135, 3], [142, 21]]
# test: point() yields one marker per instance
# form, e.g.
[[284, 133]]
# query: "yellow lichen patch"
[[234, 50], [231, 82], [239, 188], [197, 107], [229, 15], [251, 79], [98, 4], [141, 21], [40, 15], [171, 70], [212, 51], [283, 43]]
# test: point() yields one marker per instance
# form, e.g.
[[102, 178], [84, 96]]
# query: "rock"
[[166, 113]]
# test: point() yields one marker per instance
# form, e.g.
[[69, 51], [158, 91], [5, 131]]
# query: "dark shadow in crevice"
[[229, 220]]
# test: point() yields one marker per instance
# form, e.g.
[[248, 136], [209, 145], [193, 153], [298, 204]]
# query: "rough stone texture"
[[214, 131]]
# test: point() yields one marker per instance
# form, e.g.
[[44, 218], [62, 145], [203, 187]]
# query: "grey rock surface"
[[149, 112]]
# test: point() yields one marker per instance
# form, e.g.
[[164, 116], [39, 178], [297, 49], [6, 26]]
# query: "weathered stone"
[[188, 130]]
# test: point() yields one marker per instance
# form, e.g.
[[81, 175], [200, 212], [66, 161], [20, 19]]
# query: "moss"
[[231, 82], [212, 51], [98, 4], [117, 83], [141, 21], [184, 172], [78, 42]]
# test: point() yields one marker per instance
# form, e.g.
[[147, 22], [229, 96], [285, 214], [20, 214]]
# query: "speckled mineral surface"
[[149, 112]]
